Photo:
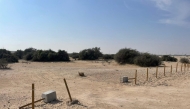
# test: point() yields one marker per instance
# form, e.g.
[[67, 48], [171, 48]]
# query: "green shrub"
[[28, 56], [184, 60], [74, 55], [5, 54], [168, 58], [49, 55], [108, 56], [29, 50], [147, 60], [90, 54], [19, 54], [126, 55]]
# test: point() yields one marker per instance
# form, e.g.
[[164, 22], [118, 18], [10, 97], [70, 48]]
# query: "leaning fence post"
[[32, 95], [67, 89]]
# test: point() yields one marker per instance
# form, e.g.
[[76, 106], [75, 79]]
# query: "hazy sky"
[[154, 26]]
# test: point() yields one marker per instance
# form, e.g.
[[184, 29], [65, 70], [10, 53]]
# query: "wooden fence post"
[[181, 67], [67, 89], [147, 74], [164, 70], [176, 67], [33, 96], [136, 77], [156, 71], [171, 69], [184, 67]]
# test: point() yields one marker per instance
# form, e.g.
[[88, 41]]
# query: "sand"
[[100, 89]]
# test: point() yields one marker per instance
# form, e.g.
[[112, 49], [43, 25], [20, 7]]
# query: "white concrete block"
[[49, 96]]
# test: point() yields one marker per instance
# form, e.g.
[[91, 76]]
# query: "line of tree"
[[168, 58], [132, 56], [33, 54]]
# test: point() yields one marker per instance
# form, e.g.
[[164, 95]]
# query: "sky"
[[153, 26]]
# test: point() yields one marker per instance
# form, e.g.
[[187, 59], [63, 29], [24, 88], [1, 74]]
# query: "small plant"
[[147, 60], [168, 58], [184, 60], [3, 64]]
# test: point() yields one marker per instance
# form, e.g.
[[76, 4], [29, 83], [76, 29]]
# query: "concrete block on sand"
[[49, 96], [125, 79]]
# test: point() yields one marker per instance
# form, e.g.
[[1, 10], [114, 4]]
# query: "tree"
[[19, 54], [5, 54], [126, 55], [90, 54]]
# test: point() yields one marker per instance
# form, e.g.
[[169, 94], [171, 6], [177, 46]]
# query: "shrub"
[[28, 56], [168, 58], [62, 55], [184, 60], [126, 55], [49, 55], [19, 54], [5, 54], [90, 54], [3, 64], [147, 60], [108, 56], [29, 50], [74, 55]]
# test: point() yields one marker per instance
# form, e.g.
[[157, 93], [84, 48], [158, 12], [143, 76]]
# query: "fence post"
[[184, 67], [176, 67], [164, 70], [156, 71], [136, 77], [32, 95], [67, 89], [188, 67], [171, 69], [181, 67], [147, 74]]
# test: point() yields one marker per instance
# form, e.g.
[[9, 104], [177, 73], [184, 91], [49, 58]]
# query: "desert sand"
[[100, 89]]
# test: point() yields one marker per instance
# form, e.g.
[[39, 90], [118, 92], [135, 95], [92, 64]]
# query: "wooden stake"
[[31, 103], [67, 89], [184, 66], [156, 72], [181, 67], [164, 70], [136, 77], [171, 69], [188, 67], [147, 74], [176, 67], [33, 96]]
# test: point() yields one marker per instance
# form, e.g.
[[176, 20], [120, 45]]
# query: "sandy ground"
[[100, 89]]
